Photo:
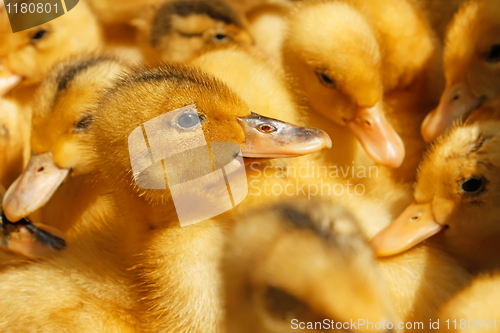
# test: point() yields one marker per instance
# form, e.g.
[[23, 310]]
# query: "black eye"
[[494, 55], [39, 35], [473, 185], [220, 38], [326, 80], [190, 120], [84, 123]]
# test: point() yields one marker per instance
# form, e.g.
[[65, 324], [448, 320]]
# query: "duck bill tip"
[[378, 137], [413, 226], [456, 103], [34, 187]]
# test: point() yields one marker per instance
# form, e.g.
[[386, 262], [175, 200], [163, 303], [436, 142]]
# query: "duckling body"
[[297, 261], [477, 303]]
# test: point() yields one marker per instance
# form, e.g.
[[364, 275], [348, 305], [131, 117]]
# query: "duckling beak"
[[8, 82], [34, 187], [378, 137], [271, 138], [457, 102], [414, 225]]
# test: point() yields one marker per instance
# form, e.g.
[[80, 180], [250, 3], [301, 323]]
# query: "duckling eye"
[[266, 128], [40, 34], [220, 38], [84, 123], [494, 55], [473, 185], [190, 120], [326, 80]]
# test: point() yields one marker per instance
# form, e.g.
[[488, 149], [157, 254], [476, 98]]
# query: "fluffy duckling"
[[177, 267], [346, 55], [27, 56], [301, 261], [477, 303], [455, 199], [471, 60], [180, 29], [56, 184]]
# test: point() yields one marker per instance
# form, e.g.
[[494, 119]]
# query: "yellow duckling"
[[471, 60], [94, 275], [345, 56], [172, 253], [180, 29], [474, 308], [56, 184], [299, 263], [28, 55], [455, 199]]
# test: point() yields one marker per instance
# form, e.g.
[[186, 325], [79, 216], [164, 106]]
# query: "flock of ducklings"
[[411, 87]]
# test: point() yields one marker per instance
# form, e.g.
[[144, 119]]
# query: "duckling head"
[[456, 195], [332, 55], [61, 121], [181, 110], [181, 29], [300, 261], [472, 66], [27, 56]]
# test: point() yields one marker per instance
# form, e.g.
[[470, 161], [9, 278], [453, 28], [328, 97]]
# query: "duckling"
[[177, 266], [180, 29], [296, 261], [56, 186], [477, 303], [471, 57], [454, 199], [28, 55], [373, 56]]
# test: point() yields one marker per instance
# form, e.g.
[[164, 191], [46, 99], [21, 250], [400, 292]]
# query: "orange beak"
[[8, 80], [377, 136], [457, 102], [414, 225], [34, 187]]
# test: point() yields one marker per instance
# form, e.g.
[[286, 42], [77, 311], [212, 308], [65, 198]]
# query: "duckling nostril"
[[41, 169], [414, 218], [455, 98]]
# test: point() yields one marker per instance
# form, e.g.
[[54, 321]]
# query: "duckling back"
[[297, 261]]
